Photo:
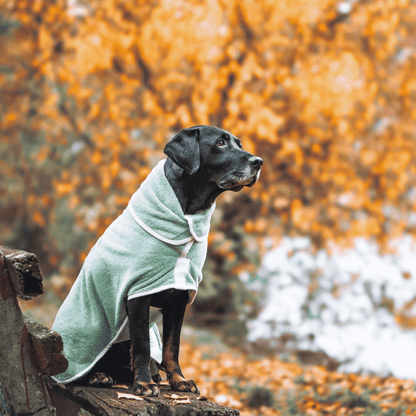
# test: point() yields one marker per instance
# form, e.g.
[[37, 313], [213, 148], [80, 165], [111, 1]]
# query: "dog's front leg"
[[173, 314], [138, 312]]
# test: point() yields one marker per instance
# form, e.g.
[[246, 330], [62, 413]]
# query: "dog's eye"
[[221, 143]]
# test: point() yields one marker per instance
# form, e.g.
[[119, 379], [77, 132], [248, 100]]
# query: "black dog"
[[202, 163]]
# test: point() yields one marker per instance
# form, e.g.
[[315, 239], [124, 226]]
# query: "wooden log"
[[48, 348], [63, 405], [24, 272], [104, 402], [23, 386]]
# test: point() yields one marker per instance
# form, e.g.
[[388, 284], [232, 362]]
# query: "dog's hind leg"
[[113, 367], [100, 380]]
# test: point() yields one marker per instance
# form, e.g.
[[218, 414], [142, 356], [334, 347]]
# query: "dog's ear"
[[183, 149]]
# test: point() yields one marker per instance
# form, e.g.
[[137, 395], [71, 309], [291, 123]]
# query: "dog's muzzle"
[[237, 179]]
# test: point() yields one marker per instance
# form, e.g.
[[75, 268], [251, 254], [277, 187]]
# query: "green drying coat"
[[152, 246]]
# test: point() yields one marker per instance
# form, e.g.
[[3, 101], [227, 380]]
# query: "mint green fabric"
[[126, 262]]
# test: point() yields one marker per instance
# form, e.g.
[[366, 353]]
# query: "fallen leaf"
[[172, 396], [128, 396], [178, 399], [182, 400], [120, 386], [202, 399]]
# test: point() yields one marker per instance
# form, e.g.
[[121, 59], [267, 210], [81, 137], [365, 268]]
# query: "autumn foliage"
[[91, 91], [324, 91]]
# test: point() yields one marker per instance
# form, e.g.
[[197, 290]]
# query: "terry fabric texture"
[[127, 261]]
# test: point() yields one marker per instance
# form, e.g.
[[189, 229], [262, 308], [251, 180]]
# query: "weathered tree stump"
[[25, 351], [24, 272], [30, 353]]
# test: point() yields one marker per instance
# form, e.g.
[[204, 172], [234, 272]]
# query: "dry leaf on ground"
[[120, 386], [202, 399], [182, 400], [128, 396]]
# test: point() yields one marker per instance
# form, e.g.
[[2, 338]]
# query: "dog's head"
[[216, 155]]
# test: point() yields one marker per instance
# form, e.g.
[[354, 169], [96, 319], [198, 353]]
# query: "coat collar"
[[157, 206]]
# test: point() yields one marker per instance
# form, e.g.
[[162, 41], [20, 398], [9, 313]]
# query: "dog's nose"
[[256, 162]]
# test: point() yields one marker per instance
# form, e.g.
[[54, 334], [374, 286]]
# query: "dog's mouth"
[[232, 182]]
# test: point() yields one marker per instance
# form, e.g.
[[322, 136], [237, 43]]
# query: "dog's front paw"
[[100, 380], [181, 384], [143, 388]]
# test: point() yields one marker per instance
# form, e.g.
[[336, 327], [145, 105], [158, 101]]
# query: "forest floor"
[[267, 385]]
